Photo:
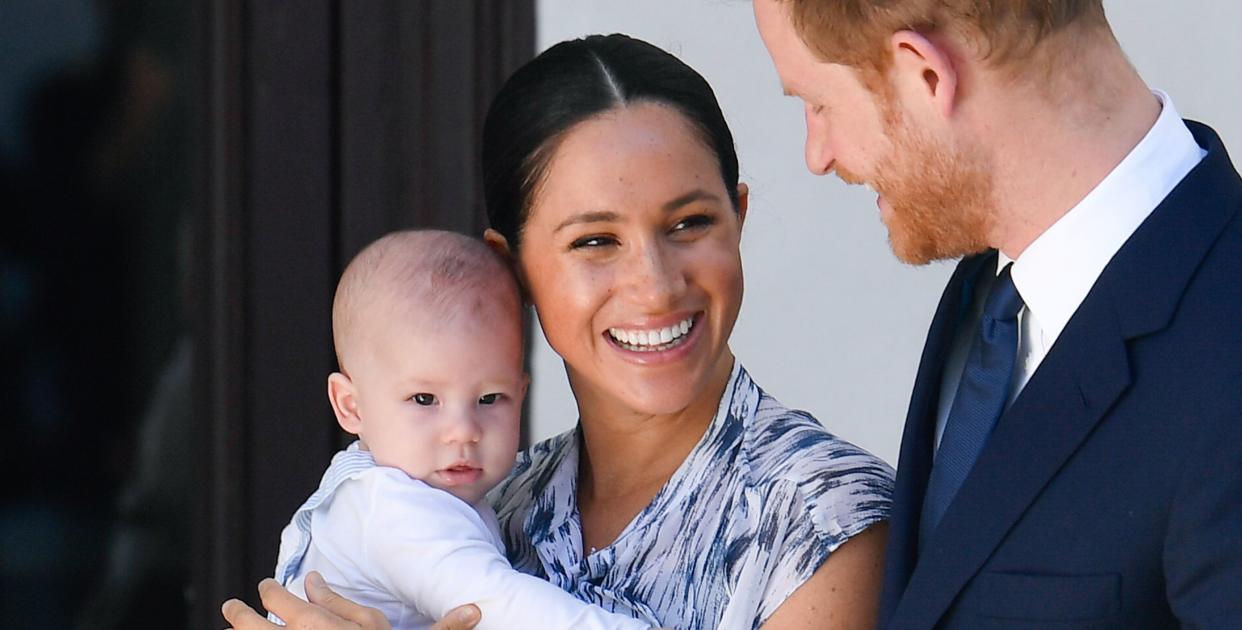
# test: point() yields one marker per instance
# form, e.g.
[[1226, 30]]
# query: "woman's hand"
[[326, 611]]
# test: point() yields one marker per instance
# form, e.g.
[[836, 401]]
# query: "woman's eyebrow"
[[604, 216], [690, 197], [600, 216]]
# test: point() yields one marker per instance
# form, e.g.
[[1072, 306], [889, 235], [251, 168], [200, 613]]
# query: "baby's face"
[[443, 402]]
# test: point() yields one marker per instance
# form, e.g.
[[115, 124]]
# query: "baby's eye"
[[425, 400], [490, 399]]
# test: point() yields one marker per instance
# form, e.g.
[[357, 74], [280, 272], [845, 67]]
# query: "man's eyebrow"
[[697, 194], [599, 216]]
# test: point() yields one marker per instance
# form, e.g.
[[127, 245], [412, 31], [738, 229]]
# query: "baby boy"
[[427, 328]]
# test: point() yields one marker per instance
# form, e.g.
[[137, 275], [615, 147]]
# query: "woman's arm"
[[844, 592], [325, 611]]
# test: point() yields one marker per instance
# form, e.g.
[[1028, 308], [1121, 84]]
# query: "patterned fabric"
[[755, 509]]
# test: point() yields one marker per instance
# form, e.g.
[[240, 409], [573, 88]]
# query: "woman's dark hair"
[[569, 83]]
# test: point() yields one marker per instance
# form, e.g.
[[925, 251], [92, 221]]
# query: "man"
[[1072, 455]]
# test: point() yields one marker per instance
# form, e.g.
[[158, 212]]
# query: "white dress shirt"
[[1056, 272]]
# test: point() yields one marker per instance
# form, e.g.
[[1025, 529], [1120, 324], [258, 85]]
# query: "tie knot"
[[1003, 302]]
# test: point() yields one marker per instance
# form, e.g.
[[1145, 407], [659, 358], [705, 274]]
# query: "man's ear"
[[344, 401], [924, 72], [743, 202]]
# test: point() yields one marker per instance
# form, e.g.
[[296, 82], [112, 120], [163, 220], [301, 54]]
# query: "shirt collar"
[[1058, 269]]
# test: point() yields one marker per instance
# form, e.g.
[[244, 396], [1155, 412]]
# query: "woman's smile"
[[656, 343]]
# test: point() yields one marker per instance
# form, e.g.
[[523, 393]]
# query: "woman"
[[686, 496]]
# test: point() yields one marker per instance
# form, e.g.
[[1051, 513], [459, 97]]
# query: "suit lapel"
[[1056, 411], [1083, 375], [914, 464]]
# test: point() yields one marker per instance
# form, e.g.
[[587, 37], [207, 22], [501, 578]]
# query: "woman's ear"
[[498, 243], [344, 401], [743, 202]]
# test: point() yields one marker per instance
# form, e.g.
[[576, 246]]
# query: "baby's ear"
[[344, 402]]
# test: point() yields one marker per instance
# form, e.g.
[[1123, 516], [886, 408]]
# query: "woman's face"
[[630, 255]]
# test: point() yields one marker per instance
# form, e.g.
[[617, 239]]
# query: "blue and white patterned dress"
[[755, 509]]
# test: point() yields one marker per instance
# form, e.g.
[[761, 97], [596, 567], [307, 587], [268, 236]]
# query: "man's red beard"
[[941, 195]]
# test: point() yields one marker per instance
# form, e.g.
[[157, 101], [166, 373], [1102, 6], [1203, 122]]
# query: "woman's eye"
[[693, 222], [425, 400], [588, 242], [490, 399]]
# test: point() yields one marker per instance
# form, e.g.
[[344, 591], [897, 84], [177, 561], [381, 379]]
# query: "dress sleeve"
[[805, 519], [433, 551]]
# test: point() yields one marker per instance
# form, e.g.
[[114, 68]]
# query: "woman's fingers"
[[460, 618], [296, 612], [318, 593], [242, 617]]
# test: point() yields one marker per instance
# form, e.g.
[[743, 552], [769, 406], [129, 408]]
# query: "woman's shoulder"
[[532, 471], [790, 448], [776, 432]]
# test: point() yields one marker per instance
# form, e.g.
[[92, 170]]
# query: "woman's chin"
[[672, 393]]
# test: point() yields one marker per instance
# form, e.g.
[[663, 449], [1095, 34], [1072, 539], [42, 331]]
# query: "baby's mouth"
[[459, 474]]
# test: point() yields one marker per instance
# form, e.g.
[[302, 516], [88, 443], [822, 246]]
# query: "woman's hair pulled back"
[[569, 83]]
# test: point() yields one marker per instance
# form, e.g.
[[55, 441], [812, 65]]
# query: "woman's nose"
[[655, 277], [819, 157]]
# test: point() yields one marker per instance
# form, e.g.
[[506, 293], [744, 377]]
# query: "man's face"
[[934, 191]]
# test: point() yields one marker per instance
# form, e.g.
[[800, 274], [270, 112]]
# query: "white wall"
[[831, 322]]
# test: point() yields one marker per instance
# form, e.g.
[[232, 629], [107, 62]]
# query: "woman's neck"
[[627, 456]]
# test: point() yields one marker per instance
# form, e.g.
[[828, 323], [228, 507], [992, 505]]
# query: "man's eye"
[[425, 400], [490, 399]]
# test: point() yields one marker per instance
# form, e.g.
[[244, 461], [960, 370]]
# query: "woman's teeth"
[[654, 339]]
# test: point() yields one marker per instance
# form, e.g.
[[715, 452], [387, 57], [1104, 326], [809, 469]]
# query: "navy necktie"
[[981, 396]]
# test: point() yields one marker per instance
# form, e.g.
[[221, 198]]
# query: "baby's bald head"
[[419, 278]]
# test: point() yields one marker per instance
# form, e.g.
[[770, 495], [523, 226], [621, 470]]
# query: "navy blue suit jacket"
[[1110, 493]]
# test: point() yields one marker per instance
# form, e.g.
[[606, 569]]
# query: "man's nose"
[[819, 157]]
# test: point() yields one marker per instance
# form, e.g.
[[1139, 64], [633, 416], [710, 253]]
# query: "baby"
[[427, 327]]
